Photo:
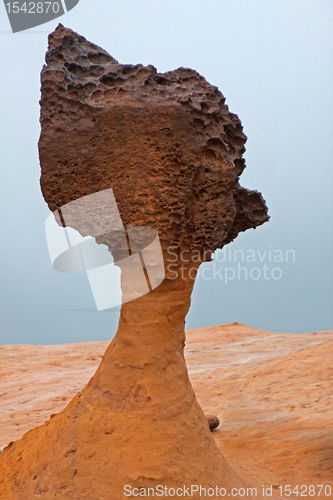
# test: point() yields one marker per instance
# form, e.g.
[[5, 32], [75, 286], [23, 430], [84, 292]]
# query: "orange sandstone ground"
[[271, 391]]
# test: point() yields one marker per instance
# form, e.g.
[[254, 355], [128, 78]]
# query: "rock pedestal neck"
[[172, 153], [136, 423]]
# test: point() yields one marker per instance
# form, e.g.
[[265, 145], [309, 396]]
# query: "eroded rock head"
[[165, 143]]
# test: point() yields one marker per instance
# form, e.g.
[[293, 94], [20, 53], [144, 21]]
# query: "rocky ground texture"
[[271, 391]]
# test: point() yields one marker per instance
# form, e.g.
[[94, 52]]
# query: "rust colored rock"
[[213, 422], [166, 144], [172, 153]]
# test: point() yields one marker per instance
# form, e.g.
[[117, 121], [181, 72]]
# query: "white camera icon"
[[70, 252]]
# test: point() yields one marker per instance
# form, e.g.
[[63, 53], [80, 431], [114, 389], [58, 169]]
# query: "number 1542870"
[[32, 7]]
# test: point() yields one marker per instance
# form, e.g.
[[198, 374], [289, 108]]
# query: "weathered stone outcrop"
[[166, 144], [172, 153]]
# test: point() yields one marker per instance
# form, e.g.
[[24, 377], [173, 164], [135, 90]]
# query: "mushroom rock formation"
[[171, 151]]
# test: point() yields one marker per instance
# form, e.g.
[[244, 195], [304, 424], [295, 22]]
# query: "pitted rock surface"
[[166, 143]]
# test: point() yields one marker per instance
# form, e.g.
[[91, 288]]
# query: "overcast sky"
[[273, 62]]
